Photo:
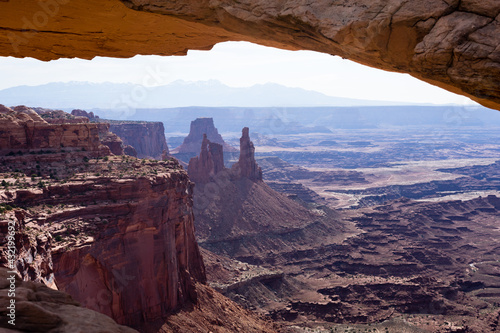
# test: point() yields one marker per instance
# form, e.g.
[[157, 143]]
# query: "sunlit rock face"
[[452, 44]]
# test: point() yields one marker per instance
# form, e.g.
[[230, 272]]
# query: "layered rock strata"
[[147, 138], [120, 243], [25, 130], [116, 233]]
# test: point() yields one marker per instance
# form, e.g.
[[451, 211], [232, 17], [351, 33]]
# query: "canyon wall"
[[145, 261], [452, 44], [41, 309], [24, 130], [147, 138], [123, 247], [114, 232]]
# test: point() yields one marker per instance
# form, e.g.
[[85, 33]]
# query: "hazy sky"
[[237, 64]]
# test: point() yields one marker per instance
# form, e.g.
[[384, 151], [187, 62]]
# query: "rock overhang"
[[452, 44]]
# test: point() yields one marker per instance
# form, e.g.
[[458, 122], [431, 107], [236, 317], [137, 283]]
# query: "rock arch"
[[454, 44]]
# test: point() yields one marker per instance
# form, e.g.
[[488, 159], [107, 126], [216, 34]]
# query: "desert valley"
[[308, 229], [279, 183]]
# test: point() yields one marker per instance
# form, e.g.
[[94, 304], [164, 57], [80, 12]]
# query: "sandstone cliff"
[[24, 130], [452, 44], [114, 232], [239, 215], [132, 237], [107, 138], [113, 141], [147, 138]]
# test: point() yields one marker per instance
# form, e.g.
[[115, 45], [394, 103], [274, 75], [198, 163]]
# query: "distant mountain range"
[[86, 95]]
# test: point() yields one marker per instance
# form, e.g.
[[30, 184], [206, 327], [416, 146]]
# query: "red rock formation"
[[41, 309], [130, 151], [4, 109], [117, 234], [126, 247], [210, 162], [148, 138], [113, 141], [59, 116], [217, 152], [198, 128], [216, 313], [33, 259], [24, 129], [202, 168], [82, 113], [246, 165]]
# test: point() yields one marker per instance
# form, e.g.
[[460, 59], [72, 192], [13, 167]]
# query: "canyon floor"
[[408, 240]]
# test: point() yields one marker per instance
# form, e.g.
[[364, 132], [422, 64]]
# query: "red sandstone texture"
[[134, 256], [23, 129], [41, 309], [113, 141], [138, 139], [216, 313], [147, 138], [117, 234]]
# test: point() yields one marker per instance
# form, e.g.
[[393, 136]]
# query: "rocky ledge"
[[124, 224], [41, 309]]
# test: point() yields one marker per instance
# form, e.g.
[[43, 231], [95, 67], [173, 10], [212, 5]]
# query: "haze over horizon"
[[236, 65]]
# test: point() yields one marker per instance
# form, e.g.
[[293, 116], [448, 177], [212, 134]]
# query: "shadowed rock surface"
[[147, 138], [120, 244], [210, 162], [41, 309]]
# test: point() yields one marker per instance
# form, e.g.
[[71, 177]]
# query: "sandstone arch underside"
[[454, 44]]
